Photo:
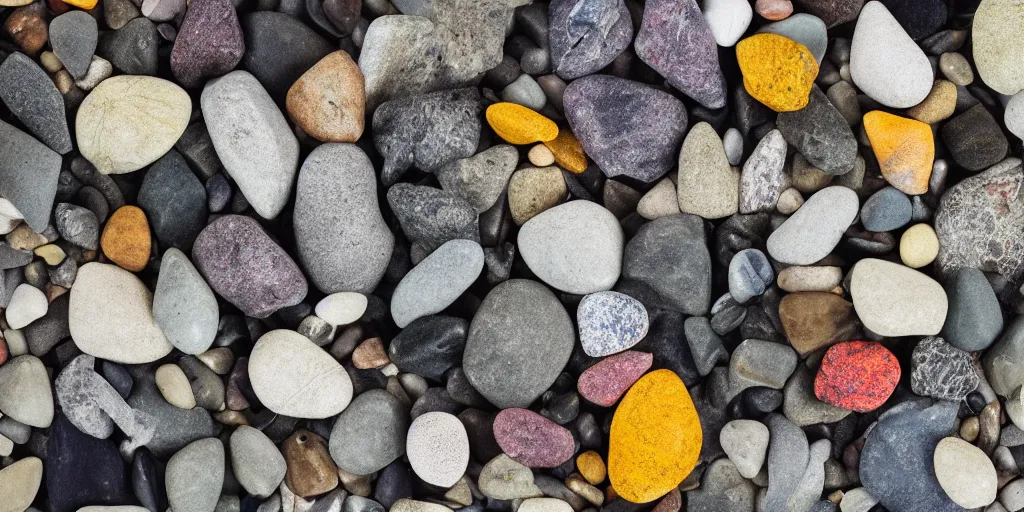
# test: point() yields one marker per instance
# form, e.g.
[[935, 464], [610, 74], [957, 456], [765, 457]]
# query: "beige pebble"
[[938, 105], [806, 177], [955, 67], [174, 386], [50, 62], [660, 201], [969, 429], [22, 238], [51, 254], [919, 246], [810, 279], [578, 485], [789, 201], [220, 360], [541, 156], [532, 190], [16, 343]]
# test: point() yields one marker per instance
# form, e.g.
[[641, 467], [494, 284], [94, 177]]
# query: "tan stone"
[[810, 279], [814, 320], [328, 101], [532, 190], [938, 105], [310, 468], [370, 354], [806, 177]]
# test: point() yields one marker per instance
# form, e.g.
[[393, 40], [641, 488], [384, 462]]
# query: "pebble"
[[328, 100], [655, 438], [728, 20], [777, 70], [660, 201], [408, 505], [505, 479], [342, 308], [128, 122], [805, 177], [255, 461], [525, 91], [746, 444], [520, 125], [430, 216], [429, 346], [885, 63], [27, 305], [279, 49], [810, 279], [626, 127], [760, 363], [307, 384], [857, 375], [893, 300], [774, 10], [610, 322], [259, 280], [532, 190], [996, 28], [821, 134], [975, 139], [587, 36], [707, 185], [956, 68], [1002, 375], [904, 148], [568, 151], [174, 386], [788, 454], [519, 341], [540, 156], [19, 483], [676, 41], [99, 70], [25, 392], [30, 95], [73, 36], [670, 256], [801, 406], [343, 245], [310, 470], [173, 427], [531, 439], [481, 178], [93, 465], [816, 228], [28, 176], [370, 433], [1012, 494], [27, 27], [886, 210], [252, 139], [762, 178], [110, 316], [605, 382], [974, 319], [544, 505], [941, 371], [750, 275], [437, 281], [126, 238], [369, 354], [195, 475], [183, 305], [438, 448], [919, 246], [554, 242], [132, 47], [163, 10], [965, 473], [591, 467], [939, 105], [209, 42], [174, 201]]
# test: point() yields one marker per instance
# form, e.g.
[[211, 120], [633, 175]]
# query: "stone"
[[707, 185], [610, 322], [965, 473], [195, 474], [279, 49], [919, 246], [941, 371], [99, 70], [310, 470], [816, 228], [328, 100], [660, 201], [531, 439], [790, 201], [174, 201], [904, 148], [802, 407], [29, 173], [762, 178], [821, 134], [995, 28], [308, 383], [31, 96], [520, 125], [174, 386], [519, 341], [760, 363], [73, 36], [585, 38], [252, 139], [886, 210], [722, 488], [183, 305], [544, 505], [126, 238], [438, 448], [256, 461], [805, 177], [25, 394], [27, 27], [1003, 375], [173, 427], [430, 216], [481, 178], [885, 63], [527, 92], [369, 354], [132, 47], [893, 300], [503, 478], [896, 464], [93, 465], [19, 483], [162, 10], [805, 29], [938, 106], [568, 151], [728, 20], [975, 139], [437, 281], [627, 128], [341, 308], [974, 319], [706, 347], [128, 122], [750, 274], [788, 456], [532, 190], [1013, 116], [343, 245], [774, 9], [259, 280], [670, 256], [605, 382], [655, 438], [110, 316], [408, 505], [745, 442], [956, 68], [975, 220], [553, 243], [816, 319], [370, 433], [429, 346], [857, 375], [426, 131], [27, 305], [676, 41], [777, 70], [209, 42]]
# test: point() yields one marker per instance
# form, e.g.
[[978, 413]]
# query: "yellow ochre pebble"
[[82, 4], [51, 254], [655, 438], [905, 150], [777, 71], [520, 125], [919, 246], [126, 239], [568, 151], [591, 466]]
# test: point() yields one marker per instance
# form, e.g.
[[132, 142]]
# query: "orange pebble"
[[568, 152], [520, 125], [82, 4], [905, 150], [126, 239], [777, 71], [592, 467]]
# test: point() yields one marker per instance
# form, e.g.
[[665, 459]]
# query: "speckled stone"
[[762, 176], [133, 47], [77, 225], [857, 375], [438, 448], [975, 139], [942, 371], [243, 265], [481, 178], [209, 42], [431, 216], [31, 96], [605, 382], [531, 439], [610, 322], [821, 134], [73, 36], [587, 35], [628, 128], [183, 305], [816, 228]]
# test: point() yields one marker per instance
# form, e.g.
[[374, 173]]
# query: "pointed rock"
[[762, 177], [183, 304], [25, 393], [31, 96], [707, 185], [209, 42]]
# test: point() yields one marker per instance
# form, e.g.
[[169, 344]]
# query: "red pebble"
[[857, 375], [605, 382], [531, 439]]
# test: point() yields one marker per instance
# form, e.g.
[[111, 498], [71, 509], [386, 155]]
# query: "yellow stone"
[[655, 438], [905, 150], [82, 4], [938, 105], [919, 246], [520, 125], [51, 254], [568, 151], [592, 467], [777, 71]]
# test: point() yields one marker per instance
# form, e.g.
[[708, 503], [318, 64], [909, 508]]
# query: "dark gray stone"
[[587, 35], [705, 345], [175, 427], [370, 433], [429, 346], [820, 133], [942, 371], [31, 96], [886, 210], [279, 49], [28, 175], [132, 49], [975, 139], [81, 470], [13, 258], [174, 201], [670, 255], [432, 216], [73, 36], [973, 318]]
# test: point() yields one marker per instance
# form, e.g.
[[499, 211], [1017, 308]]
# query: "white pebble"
[[27, 305], [341, 308]]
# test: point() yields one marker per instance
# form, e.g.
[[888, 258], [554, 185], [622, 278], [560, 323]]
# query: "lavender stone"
[[209, 42], [587, 35], [610, 322]]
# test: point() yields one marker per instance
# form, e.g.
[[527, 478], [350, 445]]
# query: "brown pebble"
[[53, 291], [23, 238], [230, 418], [806, 177], [347, 341], [774, 10], [310, 468], [532, 190], [938, 105], [328, 100], [672, 502], [970, 428], [988, 427], [370, 354], [355, 484], [27, 26], [126, 240], [814, 320], [836, 496]]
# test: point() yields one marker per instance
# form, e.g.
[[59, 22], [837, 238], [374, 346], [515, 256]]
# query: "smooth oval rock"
[[252, 140], [370, 433], [821, 134], [292, 376], [27, 304], [19, 483], [885, 63], [255, 461], [531, 439], [893, 300], [605, 382], [965, 473], [128, 122], [31, 96], [728, 20], [886, 210], [126, 238], [183, 305], [996, 31], [610, 322], [25, 391], [815, 229], [111, 316], [438, 448], [341, 308], [575, 247], [706, 184], [194, 476], [974, 319], [857, 375], [437, 281]]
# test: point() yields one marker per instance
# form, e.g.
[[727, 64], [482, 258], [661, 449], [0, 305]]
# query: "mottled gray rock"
[[587, 35], [256, 462], [722, 488], [426, 131], [706, 347], [788, 454], [816, 228], [610, 322], [820, 133], [942, 371], [174, 201], [370, 433], [801, 406], [195, 475], [760, 363], [432, 216], [73, 36], [77, 225], [974, 318], [132, 48], [750, 274], [343, 245], [31, 96], [762, 177], [519, 341], [183, 304], [28, 175], [481, 178], [174, 427], [628, 128], [670, 255], [437, 281]]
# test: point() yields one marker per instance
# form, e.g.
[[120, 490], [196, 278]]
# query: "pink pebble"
[[605, 382], [531, 439], [774, 10]]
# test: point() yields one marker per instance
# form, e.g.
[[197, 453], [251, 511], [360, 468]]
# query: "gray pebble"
[[73, 36], [31, 96], [370, 433], [886, 210], [750, 275]]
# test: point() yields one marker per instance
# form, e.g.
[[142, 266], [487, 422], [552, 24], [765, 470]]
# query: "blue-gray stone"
[[73, 36], [587, 35], [886, 210], [973, 319], [610, 322], [750, 274], [28, 175]]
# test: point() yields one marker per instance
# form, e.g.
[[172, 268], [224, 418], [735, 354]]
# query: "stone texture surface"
[[670, 255], [893, 300], [857, 375], [28, 175], [209, 42], [31, 96], [941, 371], [292, 376], [587, 36], [820, 133]]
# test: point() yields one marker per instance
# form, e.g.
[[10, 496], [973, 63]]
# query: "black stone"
[[480, 428], [434, 400], [665, 339], [279, 49], [670, 256], [117, 376], [46, 332], [821, 134], [174, 201], [460, 390], [430, 346], [975, 139], [132, 49], [31, 96], [148, 481], [81, 470]]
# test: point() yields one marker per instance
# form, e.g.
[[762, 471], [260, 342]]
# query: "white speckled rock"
[[728, 19], [437, 281], [707, 185], [252, 139], [184, 305], [996, 32], [19, 484], [885, 63], [745, 442], [610, 322], [25, 391], [341, 308], [438, 448], [294, 377], [575, 247], [27, 305], [894, 300], [815, 229], [110, 316], [408, 505], [128, 122], [965, 473]]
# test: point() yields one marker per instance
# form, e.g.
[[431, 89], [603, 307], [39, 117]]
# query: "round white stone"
[[438, 448], [885, 63], [341, 308], [728, 19], [27, 305], [294, 377]]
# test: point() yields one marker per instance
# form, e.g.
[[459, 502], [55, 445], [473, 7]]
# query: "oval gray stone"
[[183, 304], [437, 281], [31, 96], [815, 229], [670, 255], [195, 475], [370, 433], [28, 175], [256, 462]]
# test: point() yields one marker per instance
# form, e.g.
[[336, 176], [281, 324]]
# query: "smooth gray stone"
[[1001, 361], [760, 363], [886, 210], [256, 462], [14, 430], [370, 433], [803, 28], [184, 305], [195, 475], [481, 178], [279, 49], [788, 454], [32, 96], [132, 49], [801, 406], [175, 427], [706, 347], [722, 488], [13, 258], [207, 386], [174, 201], [974, 318], [73, 36], [670, 255], [332, 502], [355, 503], [437, 281], [750, 274], [343, 245], [816, 228], [28, 175], [25, 393]]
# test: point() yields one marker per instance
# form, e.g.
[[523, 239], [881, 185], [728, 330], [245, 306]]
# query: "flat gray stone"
[[805, 29], [32, 96], [174, 427], [821, 134], [481, 178], [195, 475], [437, 281], [1000, 362], [77, 225], [670, 255], [788, 454], [184, 305], [430, 216], [28, 175], [760, 363], [815, 229], [73, 36], [370, 433], [256, 462], [25, 393], [745, 442], [801, 406]]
